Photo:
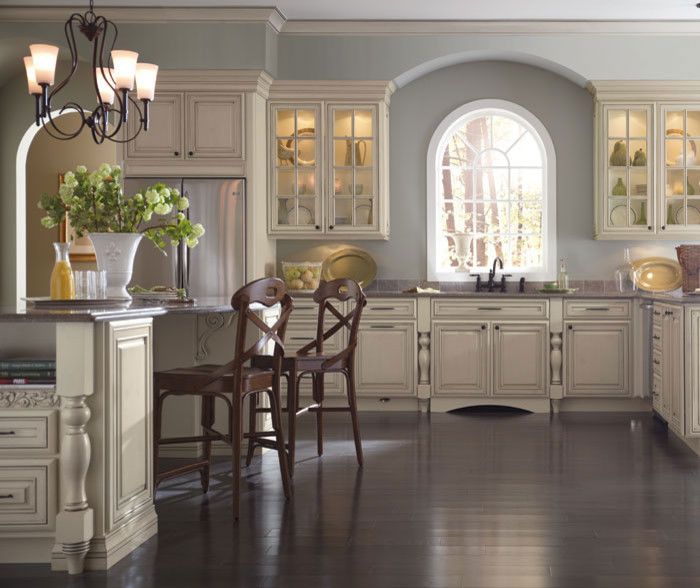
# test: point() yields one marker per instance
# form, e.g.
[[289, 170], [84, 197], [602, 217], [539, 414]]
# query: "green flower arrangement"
[[95, 203]]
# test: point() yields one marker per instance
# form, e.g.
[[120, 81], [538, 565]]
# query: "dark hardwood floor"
[[444, 500]]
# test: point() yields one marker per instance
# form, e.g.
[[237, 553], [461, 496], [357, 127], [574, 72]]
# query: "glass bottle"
[[562, 277], [624, 275], [62, 286]]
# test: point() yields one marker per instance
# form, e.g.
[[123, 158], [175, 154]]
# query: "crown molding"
[[137, 14], [490, 27], [212, 80], [356, 90], [644, 90]]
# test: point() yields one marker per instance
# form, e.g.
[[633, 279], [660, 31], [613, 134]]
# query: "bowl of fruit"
[[301, 276]]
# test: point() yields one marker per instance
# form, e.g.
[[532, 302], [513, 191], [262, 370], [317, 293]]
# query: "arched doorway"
[[40, 160]]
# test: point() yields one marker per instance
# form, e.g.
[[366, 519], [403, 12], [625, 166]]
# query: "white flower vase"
[[115, 254]]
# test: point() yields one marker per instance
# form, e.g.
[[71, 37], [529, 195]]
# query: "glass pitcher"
[[62, 285]]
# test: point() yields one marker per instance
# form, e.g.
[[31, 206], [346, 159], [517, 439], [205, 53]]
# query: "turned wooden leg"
[[352, 402], [236, 421], [252, 417], [292, 407], [276, 414]]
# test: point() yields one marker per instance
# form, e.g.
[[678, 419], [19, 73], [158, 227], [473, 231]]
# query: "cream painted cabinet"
[[647, 160], [386, 358], [519, 359], [214, 125], [460, 358], [328, 146], [164, 138], [668, 361], [597, 358]]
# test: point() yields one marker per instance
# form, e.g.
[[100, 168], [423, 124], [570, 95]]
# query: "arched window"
[[491, 193]]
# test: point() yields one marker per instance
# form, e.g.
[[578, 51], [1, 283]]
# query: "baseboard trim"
[[604, 405]]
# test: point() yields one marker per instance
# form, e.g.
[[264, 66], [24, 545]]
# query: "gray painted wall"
[[564, 108]]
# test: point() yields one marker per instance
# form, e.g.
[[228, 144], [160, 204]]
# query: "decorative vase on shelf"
[[62, 286], [625, 280], [618, 157], [642, 217], [619, 189], [462, 243], [115, 254]]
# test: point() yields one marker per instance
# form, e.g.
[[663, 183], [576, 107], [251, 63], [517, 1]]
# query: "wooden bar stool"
[[232, 383], [311, 361]]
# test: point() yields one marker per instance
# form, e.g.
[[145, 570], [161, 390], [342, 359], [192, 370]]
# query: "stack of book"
[[27, 372]]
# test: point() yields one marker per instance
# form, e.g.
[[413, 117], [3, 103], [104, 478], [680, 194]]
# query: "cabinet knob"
[[190, 153], [649, 228], [571, 327], [483, 327], [497, 327], [176, 154], [663, 227], [331, 227], [318, 227]]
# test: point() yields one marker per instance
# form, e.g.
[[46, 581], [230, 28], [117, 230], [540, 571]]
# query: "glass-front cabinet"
[[627, 178], [647, 160], [296, 175], [329, 168]]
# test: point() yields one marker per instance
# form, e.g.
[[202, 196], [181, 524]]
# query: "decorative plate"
[[658, 274], [693, 216], [352, 263], [618, 216]]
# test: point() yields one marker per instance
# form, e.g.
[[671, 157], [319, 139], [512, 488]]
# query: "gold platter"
[[352, 263], [658, 274]]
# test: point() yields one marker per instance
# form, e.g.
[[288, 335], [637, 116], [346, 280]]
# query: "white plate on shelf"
[[693, 216], [618, 216]]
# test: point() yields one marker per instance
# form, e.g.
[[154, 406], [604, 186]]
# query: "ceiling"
[[432, 9]]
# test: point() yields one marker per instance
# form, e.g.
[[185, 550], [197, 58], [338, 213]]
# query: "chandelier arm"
[[111, 136], [57, 129], [73, 47]]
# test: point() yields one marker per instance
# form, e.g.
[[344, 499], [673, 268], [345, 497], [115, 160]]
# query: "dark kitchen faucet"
[[489, 286]]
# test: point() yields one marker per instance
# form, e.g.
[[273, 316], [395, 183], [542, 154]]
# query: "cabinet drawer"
[[597, 309], [27, 493], [656, 335], [490, 309], [24, 432], [381, 308], [656, 361]]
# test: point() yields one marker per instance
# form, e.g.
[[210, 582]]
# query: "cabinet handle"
[[489, 308], [2, 496], [176, 153], [668, 312], [190, 153], [383, 308], [497, 328], [649, 228], [381, 326], [331, 227], [657, 362], [8, 433], [318, 227], [301, 338], [657, 313], [656, 337], [483, 327], [600, 308], [571, 327]]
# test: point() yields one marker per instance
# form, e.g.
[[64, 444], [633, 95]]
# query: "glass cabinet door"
[[680, 210], [296, 179], [353, 168], [627, 181]]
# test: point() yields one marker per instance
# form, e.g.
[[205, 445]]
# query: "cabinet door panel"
[[460, 358], [673, 363], [164, 136], [597, 359], [215, 126], [520, 359], [386, 359]]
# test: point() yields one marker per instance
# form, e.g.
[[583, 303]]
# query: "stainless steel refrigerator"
[[216, 267]]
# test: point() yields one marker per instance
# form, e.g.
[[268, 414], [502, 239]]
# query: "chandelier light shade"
[[114, 73]]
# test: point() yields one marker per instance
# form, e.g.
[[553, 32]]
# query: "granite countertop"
[[136, 309]]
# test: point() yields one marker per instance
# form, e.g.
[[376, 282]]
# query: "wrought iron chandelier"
[[114, 72]]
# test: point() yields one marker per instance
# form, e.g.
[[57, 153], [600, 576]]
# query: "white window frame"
[[436, 149]]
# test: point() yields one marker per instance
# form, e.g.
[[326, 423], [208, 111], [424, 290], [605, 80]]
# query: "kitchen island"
[[76, 468]]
